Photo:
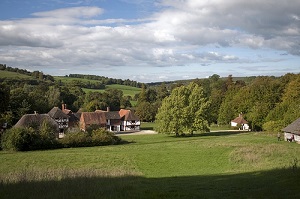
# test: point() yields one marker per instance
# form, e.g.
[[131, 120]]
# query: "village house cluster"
[[62, 119]]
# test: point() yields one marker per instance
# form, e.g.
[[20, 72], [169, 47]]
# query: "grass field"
[[210, 165], [13, 75], [127, 90]]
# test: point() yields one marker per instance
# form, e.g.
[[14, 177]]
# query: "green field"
[[210, 165], [127, 90], [13, 75]]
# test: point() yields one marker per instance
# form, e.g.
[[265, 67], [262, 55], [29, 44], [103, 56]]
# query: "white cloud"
[[181, 33]]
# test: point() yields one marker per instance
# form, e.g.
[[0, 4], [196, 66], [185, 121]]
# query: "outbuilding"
[[240, 123], [292, 131]]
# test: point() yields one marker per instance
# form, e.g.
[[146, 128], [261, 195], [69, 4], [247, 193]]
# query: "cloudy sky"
[[151, 40]]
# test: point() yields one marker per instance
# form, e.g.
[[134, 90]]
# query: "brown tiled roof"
[[29, 119], [93, 118], [56, 112], [240, 120], [112, 115], [128, 115], [294, 127]]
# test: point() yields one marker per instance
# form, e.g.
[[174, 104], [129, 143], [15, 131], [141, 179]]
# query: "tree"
[[183, 111]]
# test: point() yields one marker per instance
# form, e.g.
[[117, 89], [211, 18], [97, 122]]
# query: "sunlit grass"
[[206, 165]]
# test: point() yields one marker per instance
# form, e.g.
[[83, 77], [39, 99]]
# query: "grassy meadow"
[[127, 90], [210, 165], [14, 75]]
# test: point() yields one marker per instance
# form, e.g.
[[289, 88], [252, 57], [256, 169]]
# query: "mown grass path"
[[211, 165]]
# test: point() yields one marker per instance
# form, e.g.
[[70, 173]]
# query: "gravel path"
[[142, 132]]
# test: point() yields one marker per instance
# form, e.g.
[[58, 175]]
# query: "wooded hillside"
[[267, 102]]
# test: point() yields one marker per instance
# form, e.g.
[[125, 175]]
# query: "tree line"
[[107, 81], [25, 96], [266, 102]]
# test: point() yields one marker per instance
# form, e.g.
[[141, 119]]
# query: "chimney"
[[107, 109], [35, 112], [63, 106]]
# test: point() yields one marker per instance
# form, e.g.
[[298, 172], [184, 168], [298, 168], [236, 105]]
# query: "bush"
[[76, 139], [98, 137], [103, 137], [30, 138], [273, 126], [19, 139]]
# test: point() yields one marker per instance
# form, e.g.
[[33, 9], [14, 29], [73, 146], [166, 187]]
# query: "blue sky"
[[151, 40]]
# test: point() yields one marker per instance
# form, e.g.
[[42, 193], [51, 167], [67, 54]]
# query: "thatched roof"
[[56, 112], [35, 119], [294, 127], [128, 115]]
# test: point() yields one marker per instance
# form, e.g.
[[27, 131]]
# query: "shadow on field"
[[281, 183], [213, 133]]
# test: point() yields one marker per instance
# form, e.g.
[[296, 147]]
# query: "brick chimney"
[[107, 109]]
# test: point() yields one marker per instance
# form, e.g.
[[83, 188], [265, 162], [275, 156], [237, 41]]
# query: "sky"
[[151, 40]]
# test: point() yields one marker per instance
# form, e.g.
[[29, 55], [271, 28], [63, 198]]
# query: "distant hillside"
[[87, 82], [14, 75]]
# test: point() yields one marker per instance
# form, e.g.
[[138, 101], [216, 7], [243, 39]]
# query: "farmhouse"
[[92, 119], [130, 122], [73, 117], [114, 121], [36, 119], [292, 131], [240, 122], [60, 118]]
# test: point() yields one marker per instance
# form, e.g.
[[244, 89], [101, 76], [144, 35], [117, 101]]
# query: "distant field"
[[69, 79], [8, 74], [127, 90], [210, 165]]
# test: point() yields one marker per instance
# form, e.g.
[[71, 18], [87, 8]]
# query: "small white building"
[[292, 131], [240, 122]]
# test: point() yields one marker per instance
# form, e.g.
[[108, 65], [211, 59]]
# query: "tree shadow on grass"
[[280, 183], [211, 134]]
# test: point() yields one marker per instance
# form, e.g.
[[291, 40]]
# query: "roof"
[[240, 120], [294, 127], [110, 115], [67, 111], [56, 112], [30, 119], [128, 115], [93, 118]]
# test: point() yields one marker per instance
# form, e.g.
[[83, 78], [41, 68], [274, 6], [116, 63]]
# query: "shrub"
[[273, 126], [76, 139], [30, 138], [103, 137], [19, 139]]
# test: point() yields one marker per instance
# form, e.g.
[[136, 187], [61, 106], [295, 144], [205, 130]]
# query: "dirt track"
[[142, 132]]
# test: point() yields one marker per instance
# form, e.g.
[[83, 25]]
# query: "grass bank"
[[210, 165]]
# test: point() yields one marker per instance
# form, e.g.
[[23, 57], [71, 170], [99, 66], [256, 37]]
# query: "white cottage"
[[241, 122]]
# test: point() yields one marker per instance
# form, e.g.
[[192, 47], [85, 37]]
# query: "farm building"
[[61, 119], [73, 117], [292, 131], [36, 119], [123, 120], [240, 122], [130, 121], [88, 119], [113, 120]]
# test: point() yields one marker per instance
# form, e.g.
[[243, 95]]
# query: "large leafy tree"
[[185, 110]]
